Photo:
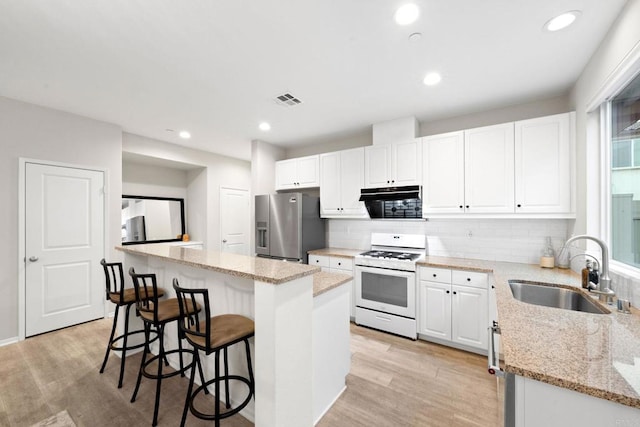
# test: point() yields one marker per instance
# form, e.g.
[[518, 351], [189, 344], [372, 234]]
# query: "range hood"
[[390, 193], [393, 202]]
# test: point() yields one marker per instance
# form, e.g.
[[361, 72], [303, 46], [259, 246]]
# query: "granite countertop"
[[261, 269], [593, 354], [337, 252], [324, 282]]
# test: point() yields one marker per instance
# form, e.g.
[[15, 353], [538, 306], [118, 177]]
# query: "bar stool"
[[157, 313], [211, 335], [121, 296]]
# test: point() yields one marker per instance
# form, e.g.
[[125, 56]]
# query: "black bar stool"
[[211, 335], [157, 313], [121, 296]]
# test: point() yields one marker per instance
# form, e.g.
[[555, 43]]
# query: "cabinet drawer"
[[431, 274], [319, 260], [470, 278], [341, 263]]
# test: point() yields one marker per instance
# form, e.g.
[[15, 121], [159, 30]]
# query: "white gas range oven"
[[385, 283]]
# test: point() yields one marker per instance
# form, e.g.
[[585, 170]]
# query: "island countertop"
[[261, 269], [590, 353]]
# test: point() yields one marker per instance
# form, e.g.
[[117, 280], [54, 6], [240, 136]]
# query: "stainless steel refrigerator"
[[288, 225]]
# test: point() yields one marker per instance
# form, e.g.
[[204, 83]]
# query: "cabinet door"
[[543, 164], [443, 173], [377, 166], [330, 185], [352, 181], [286, 174], [406, 166], [434, 309], [469, 307], [307, 171], [489, 169]]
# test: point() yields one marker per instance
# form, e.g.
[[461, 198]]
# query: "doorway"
[[62, 234], [234, 220]]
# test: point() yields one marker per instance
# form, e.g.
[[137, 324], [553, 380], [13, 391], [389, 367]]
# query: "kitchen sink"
[[550, 295]]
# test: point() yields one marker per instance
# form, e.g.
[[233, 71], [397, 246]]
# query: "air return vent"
[[287, 100]]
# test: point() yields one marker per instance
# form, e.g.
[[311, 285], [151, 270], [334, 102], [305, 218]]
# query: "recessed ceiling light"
[[432, 79], [184, 134], [407, 14], [264, 126], [414, 37], [562, 21]]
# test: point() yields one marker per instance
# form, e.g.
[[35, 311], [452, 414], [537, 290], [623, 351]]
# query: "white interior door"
[[234, 220], [64, 242]]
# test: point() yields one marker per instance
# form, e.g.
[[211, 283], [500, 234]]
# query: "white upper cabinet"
[[488, 169], [301, 172], [443, 173], [511, 169], [543, 148], [341, 178], [394, 164]]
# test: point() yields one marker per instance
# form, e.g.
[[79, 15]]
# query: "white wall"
[[511, 113], [151, 180], [263, 162], [620, 41], [359, 139], [203, 185], [41, 133], [511, 240]]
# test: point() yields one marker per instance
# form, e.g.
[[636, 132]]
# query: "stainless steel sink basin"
[[549, 295]]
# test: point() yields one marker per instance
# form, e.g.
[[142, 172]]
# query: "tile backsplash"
[[511, 240]]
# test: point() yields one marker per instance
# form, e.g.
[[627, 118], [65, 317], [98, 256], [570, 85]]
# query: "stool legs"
[[217, 380], [111, 344], [196, 360]]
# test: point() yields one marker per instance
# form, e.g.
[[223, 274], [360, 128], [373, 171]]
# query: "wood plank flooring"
[[393, 382]]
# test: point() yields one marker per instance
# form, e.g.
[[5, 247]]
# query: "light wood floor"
[[393, 382]]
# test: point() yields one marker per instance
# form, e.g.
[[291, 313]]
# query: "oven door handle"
[[493, 366]]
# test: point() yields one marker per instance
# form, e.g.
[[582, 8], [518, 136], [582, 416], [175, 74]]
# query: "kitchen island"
[[279, 296]]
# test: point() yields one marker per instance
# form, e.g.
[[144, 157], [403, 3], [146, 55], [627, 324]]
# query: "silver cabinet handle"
[[224, 240], [493, 367], [33, 258]]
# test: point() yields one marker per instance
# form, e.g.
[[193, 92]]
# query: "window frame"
[[616, 85]]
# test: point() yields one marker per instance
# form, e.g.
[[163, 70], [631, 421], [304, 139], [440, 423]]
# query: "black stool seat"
[[157, 313], [121, 296], [211, 335]]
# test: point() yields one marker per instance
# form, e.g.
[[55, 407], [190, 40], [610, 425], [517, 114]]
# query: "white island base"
[[301, 346]]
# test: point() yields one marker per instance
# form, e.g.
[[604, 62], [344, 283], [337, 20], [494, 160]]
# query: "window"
[[625, 174]]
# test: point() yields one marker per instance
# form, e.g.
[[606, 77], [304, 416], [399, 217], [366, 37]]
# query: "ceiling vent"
[[287, 100]]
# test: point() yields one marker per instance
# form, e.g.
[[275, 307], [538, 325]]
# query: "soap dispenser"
[[547, 260], [586, 273]]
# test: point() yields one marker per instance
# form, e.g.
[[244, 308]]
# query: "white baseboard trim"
[[8, 341], [330, 406]]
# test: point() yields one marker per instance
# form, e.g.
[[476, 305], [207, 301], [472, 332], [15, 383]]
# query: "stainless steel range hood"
[[393, 202]]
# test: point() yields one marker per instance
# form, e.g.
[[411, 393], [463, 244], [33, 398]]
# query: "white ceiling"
[[214, 67]]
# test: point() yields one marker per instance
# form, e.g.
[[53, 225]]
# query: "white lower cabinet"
[[335, 264], [541, 404], [453, 307]]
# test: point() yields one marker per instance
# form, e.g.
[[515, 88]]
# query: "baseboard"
[[8, 341], [330, 406]]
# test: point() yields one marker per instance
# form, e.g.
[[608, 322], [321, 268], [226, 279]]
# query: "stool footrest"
[[154, 376], [117, 347], [228, 413]]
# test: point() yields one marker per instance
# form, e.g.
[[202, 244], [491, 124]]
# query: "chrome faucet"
[[603, 290]]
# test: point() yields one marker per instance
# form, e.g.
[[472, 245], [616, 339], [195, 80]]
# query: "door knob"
[[33, 258]]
